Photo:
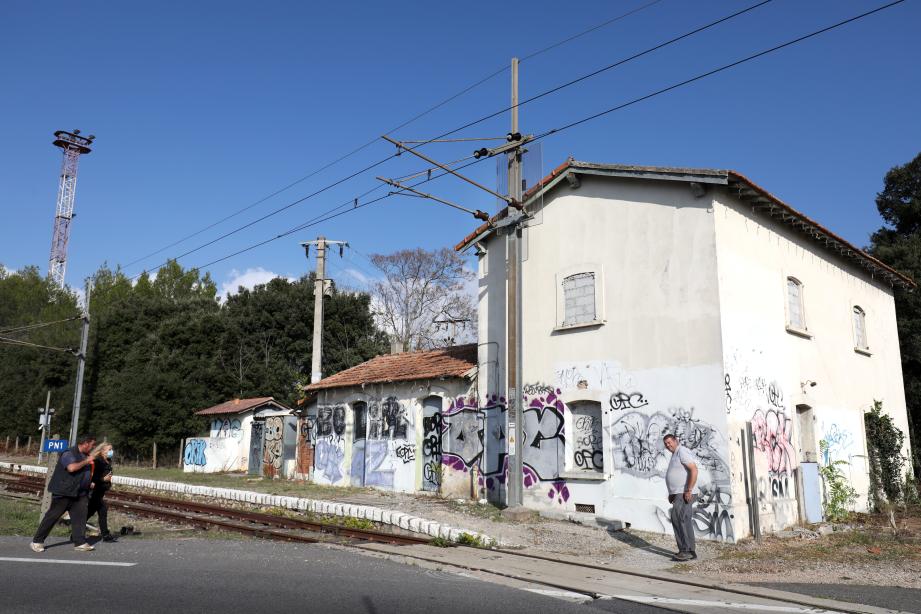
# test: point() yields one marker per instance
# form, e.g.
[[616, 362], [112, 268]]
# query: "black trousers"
[[97, 505], [77, 506]]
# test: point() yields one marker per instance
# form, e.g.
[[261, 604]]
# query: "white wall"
[[755, 256]]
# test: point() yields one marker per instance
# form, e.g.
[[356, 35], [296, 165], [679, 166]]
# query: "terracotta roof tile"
[[236, 406], [444, 362]]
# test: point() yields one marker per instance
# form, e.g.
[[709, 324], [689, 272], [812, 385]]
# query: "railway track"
[[203, 515]]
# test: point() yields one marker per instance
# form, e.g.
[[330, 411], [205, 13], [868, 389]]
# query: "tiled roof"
[[236, 406], [452, 361], [762, 202]]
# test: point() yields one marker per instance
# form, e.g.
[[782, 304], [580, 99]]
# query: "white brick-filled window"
[[579, 299], [796, 316], [579, 296], [860, 329]]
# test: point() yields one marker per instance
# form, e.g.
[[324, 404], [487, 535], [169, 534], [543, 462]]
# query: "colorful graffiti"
[[772, 431], [544, 442], [194, 452], [273, 446]]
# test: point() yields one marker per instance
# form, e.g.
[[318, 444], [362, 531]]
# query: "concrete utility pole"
[[321, 285], [81, 364], [513, 316]]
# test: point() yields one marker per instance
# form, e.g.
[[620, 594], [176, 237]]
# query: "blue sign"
[[55, 445]]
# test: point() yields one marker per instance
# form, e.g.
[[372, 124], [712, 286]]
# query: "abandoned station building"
[[654, 301], [671, 300]]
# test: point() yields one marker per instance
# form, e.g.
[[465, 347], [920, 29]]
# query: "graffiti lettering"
[[775, 395], [537, 389], [272, 448], [227, 428], [329, 459], [589, 459], [406, 453], [330, 420], [377, 472], [628, 400], [728, 384], [194, 453]]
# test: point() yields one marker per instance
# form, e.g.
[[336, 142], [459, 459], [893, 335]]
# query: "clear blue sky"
[[201, 108]]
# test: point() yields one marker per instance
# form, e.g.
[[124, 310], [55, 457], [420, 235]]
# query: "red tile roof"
[[763, 202], [236, 406], [452, 361]]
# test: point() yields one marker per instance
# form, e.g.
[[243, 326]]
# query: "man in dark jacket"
[[69, 487]]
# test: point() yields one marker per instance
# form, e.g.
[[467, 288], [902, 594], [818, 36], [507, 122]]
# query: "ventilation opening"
[[586, 508]]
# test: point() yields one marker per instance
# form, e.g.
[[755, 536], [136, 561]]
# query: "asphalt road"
[[213, 575], [892, 597]]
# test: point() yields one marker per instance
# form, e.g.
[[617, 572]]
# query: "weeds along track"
[[203, 515]]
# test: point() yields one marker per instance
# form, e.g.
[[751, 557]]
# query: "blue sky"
[[203, 108]]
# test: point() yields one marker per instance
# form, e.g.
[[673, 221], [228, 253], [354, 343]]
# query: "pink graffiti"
[[772, 432]]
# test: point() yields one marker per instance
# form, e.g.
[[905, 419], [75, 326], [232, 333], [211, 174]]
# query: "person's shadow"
[[635, 541]]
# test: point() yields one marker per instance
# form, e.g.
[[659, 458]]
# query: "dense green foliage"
[[898, 244], [839, 494], [884, 446], [161, 348]]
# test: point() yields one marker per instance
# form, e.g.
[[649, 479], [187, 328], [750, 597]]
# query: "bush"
[[839, 495], [884, 445]]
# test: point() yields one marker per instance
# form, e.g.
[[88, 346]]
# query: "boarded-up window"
[[586, 437], [579, 299], [795, 316], [860, 328]]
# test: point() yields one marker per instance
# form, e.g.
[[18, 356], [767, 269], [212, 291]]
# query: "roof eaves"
[[767, 204]]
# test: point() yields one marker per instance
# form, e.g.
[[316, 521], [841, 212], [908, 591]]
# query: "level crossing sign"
[[55, 445]]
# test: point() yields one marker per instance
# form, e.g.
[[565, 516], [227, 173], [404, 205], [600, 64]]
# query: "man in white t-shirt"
[[681, 480]]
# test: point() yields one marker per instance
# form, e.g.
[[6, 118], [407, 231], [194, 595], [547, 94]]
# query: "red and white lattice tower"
[[73, 145]]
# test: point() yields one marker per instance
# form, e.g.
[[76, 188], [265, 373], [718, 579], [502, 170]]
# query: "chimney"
[[396, 346]]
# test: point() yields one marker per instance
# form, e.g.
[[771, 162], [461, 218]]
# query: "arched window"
[[796, 317], [860, 329]]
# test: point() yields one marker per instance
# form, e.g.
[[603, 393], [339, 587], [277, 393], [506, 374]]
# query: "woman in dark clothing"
[[102, 482]]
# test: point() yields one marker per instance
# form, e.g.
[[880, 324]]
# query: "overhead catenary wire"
[[20, 342], [592, 117], [392, 130], [29, 327]]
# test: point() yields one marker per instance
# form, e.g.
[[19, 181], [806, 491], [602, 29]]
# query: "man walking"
[[69, 487], [681, 481]]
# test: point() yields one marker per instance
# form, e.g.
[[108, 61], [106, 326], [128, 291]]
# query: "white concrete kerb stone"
[[384, 516]]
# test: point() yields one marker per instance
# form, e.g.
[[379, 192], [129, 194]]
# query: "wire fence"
[[166, 455]]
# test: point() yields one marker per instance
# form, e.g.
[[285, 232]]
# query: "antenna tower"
[[73, 145]]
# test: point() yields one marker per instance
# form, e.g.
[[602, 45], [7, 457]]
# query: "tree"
[[418, 289], [898, 244]]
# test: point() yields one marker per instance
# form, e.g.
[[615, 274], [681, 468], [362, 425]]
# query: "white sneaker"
[[83, 548], [37, 547]]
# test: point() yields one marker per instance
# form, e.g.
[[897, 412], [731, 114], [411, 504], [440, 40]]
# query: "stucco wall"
[[769, 370]]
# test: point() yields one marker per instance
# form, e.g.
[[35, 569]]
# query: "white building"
[[393, 422], [256, 435], [685, 301]]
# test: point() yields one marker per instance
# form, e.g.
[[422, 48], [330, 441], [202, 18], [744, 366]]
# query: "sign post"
[[54, 447]]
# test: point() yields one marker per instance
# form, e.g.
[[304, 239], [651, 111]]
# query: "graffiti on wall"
[[273, 446], [462, 434], [328, 460], [330, 421], [587, 442], [387, 419], [772, 431], [379, 468], [639, 449], [839, 442], [194, 452], [628, 400], [543, 443], [226, 428], [431, 450]]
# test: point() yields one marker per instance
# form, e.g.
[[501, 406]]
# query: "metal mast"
[[73, 145]]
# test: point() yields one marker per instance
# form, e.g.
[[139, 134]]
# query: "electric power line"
[[29, 327], [19, 342], [392, 130], [594, 116]]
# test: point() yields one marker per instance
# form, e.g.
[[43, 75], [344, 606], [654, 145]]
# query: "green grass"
[[20, 517], [477, 510], [292, 488]]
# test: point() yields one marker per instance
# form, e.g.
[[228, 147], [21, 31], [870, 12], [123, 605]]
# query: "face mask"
[[110, 453]]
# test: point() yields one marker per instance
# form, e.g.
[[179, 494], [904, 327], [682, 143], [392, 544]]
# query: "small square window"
[[586, 437]]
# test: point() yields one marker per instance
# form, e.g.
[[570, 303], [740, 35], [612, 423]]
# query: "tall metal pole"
[[73, 146], [513, 317], [316, 373], [81, 364]]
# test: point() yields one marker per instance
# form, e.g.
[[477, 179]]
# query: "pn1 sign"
[[55, 445]]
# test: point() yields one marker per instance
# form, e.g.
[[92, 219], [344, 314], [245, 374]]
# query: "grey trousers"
[[682, 517], [77, 507]]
